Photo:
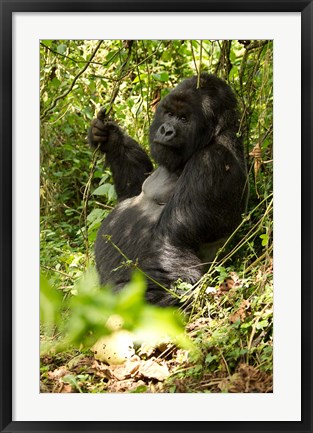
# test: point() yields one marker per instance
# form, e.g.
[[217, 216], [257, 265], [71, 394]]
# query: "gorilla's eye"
[[183, 119], [170, 114]]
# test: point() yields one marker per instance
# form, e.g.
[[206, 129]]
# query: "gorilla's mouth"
[[172, 144]]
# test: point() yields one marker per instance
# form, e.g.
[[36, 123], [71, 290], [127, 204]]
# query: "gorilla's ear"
[[207, 109], [220, 109], [214, 120], [219, 116], [227, 120]]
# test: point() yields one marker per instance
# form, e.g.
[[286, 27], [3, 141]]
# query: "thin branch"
[[68, 57], [135, 265], [44, 114], [86, 196], [57, 271], [194, 58], [116, 87], [199, 68]]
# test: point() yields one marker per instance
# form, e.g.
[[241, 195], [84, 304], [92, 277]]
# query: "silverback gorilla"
[[166, 219]]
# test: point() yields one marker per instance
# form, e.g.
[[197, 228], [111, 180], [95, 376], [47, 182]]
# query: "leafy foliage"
[[128, 78], [92, 306]]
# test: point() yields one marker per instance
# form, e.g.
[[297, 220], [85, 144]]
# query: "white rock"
[[115, 348]]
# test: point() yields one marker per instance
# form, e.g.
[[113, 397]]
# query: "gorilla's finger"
[[101, 114], [100, 132]]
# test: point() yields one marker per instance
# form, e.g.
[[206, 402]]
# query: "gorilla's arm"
[[129, 163], [208, 201]]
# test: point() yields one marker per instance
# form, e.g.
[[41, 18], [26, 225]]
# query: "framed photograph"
[[182, 79]]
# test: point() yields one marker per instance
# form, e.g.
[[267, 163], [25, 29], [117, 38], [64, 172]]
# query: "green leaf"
[[210, 358], [246, 325], [55, 82], [111, 56], [139, 78], [102, 190], [95, 215], [262, 324], [162, 76], [50, 303], [131, 298], [233, 73], [61, 49], [140, 389], [265, 239], [104, 177], [107, 190], [47, 42], [111, 193]]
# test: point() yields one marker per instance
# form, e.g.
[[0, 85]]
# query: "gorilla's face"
[[189, 117], [179, 128]]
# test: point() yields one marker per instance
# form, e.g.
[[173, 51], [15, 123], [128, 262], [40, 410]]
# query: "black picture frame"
[[7, 9]]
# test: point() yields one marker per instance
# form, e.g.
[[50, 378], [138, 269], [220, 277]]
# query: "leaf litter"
[[167, 368]]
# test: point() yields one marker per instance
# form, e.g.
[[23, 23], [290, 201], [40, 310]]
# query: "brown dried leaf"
[[247, 379], [58, 373], [199, 323], [125, 385], [241, 313], [257, 155], [127, 370], [101, 370], [151, 369], [227, 285], [66, 388]]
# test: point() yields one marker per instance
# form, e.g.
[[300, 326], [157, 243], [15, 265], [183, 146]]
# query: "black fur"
[[194, 199]]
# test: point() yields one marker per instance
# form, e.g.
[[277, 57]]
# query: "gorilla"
[[170, 220]]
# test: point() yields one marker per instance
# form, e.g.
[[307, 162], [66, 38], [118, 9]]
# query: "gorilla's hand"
[[104, 134]]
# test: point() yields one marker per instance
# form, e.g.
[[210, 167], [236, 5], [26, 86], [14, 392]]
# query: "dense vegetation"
[[230, 325]]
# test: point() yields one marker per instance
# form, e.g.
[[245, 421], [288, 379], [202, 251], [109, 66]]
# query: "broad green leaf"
[[162, 76], [102, 190], [50, 303]]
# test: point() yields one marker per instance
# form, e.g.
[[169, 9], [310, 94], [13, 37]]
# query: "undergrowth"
[[227, 317]]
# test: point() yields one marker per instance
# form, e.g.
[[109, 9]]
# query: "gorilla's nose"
[[166, 132]]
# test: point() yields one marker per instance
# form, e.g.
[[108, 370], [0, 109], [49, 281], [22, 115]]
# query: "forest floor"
[[168, 371], [235, 345]]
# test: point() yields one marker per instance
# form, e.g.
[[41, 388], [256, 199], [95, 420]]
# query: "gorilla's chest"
[[159, 186], [157, 190]]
